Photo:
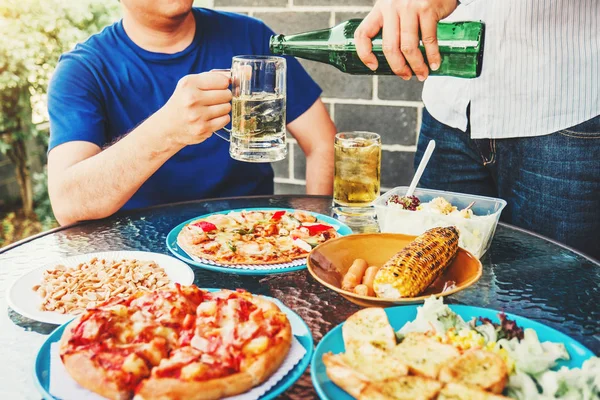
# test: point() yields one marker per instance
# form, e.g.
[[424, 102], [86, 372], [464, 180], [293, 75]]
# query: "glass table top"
[[523, 274]]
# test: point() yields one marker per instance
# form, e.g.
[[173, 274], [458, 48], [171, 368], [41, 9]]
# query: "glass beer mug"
[[258, 124]]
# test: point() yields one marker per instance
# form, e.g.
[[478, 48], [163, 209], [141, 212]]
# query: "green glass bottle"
[[460, 43]]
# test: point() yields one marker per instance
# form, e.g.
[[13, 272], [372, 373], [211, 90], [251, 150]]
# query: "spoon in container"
[[469, 206], [421, 168]]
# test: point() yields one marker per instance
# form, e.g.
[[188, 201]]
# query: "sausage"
[[369, 278], [354, 275], [361, 290]]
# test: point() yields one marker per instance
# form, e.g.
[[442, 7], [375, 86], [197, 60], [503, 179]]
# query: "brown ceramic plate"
[[329, 262]]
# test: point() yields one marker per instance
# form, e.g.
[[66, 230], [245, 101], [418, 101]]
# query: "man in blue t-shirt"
[[132, 112]]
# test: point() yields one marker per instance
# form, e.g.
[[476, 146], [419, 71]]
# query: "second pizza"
[[255, 236], [179, 343]]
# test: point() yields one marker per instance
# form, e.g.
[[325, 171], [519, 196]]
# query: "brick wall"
[[386, 105]]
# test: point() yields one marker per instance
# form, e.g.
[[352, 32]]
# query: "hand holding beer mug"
[[357, 178], [258, 123]]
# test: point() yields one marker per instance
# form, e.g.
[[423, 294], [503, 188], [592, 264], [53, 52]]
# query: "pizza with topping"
[[254, 237], [179, 343]]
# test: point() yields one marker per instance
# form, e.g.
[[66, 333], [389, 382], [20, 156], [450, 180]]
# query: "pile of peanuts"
[[73, 290], [359, 278]]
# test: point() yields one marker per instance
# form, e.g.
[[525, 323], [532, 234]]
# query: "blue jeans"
[[551, 183]]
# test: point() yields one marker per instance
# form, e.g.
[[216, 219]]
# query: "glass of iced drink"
[[258, 109], [357, 169]]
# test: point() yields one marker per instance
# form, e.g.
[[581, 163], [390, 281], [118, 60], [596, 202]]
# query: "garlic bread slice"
[[457, 391], [402, 388], [424, 355], [480, 368], [369, 325], [377, 364], [343, 375]]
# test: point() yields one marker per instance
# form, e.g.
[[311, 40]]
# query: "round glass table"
[[524, 274]]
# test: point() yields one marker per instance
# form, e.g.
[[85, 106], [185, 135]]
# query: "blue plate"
[[341, 229], [301, 331], [333, 342]]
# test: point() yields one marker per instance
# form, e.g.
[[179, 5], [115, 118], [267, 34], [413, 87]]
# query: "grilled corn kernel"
[[413, 269], [469, 339]]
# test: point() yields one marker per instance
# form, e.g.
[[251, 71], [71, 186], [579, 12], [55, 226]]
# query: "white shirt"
[[540, 73]]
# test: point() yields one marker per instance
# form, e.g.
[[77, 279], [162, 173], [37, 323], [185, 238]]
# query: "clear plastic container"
[[475, 233]]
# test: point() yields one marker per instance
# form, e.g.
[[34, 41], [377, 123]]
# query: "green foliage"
[[33, 34], [15, 226], [8, 230], [43, 208]]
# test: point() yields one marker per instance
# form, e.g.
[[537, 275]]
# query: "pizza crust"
[[82, 367], [67, 335], [175, 389], [340, 373], [87, 373], [265, 364]]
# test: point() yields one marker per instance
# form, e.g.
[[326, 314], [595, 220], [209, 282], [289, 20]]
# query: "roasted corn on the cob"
[[413, 269]]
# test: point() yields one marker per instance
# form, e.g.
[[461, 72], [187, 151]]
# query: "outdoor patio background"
[[386, 105]]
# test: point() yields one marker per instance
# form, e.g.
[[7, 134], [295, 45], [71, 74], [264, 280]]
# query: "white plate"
[[22, 299]]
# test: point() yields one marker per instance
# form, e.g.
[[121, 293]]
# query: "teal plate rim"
[[174, 248], [41, 367], [398, 316]]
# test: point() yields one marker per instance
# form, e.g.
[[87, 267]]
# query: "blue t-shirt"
[[108, 85]]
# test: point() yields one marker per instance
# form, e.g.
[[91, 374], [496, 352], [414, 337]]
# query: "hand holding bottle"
[[402, 20]]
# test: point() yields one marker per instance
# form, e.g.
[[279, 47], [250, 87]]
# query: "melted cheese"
[[229, 321], [138, 316], [237, 217], [289, 223], [302, 245], [158, 308], [251, 249], [195, 230], [199, 343], [207, 308], [207, 359], [256, 216], [284, 242], [256, 346], [184, 355], [119, 310], [222, 221], [153, 352], [135, 364], [168, 333], [193, 370], [91, 328], [246, 331]]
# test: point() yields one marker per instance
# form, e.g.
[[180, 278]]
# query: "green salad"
[[532, 364]]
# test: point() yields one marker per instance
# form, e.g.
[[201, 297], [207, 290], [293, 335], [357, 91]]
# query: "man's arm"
[[315, 132], [85, 182]]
